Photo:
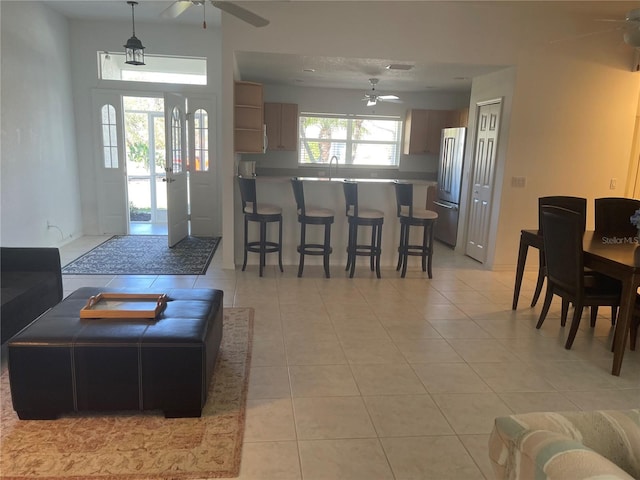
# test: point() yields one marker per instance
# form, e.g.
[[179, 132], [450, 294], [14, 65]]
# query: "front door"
[[484, 167], [176, 168]]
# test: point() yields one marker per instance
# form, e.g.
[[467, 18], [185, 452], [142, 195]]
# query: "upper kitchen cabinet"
[[281, 120], [459, 118], [248, 118], [422, 130]]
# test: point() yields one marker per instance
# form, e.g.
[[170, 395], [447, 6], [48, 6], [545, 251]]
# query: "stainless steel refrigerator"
[[447, 201]]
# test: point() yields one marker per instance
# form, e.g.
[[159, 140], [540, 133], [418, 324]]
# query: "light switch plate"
[[613, 183], [518, 182]]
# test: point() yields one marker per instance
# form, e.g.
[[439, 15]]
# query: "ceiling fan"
[[372, 97], [179, 6], [631, 25]]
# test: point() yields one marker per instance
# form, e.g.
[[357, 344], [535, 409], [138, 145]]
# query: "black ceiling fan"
[[180, 6]]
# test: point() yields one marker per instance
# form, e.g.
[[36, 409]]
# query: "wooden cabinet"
[[248, 131], [281, 120], [423, 129]]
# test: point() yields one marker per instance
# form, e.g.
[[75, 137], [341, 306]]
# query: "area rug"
[[146, 255], [137, 445]]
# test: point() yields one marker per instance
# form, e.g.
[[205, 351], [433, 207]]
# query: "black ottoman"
[[62, 363]]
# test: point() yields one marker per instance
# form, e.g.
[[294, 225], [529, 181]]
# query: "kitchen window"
[[357, 140]]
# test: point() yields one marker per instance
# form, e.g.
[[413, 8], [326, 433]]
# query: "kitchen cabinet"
[[422, 130], [281, 120], [248, 128], [459, 118]]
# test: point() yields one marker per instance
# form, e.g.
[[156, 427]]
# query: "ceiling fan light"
[[133, 49], [632, 37]]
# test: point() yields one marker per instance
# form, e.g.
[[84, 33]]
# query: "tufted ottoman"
[[62, 363]]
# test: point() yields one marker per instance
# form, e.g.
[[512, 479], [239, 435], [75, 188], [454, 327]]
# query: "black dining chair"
[[575, 204], [562, 236], [612, 216]]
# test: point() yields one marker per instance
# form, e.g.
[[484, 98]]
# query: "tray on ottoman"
[[63, 363]]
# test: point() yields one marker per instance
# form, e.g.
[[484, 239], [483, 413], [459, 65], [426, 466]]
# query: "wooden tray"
[[124, 305]]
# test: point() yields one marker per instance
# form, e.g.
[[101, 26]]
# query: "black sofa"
[[30, 284]]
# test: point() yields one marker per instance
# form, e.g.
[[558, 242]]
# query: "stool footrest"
[[314, 249]]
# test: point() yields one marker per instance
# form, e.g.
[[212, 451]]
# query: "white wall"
[[39, 163], [89, 37], [574, 101]]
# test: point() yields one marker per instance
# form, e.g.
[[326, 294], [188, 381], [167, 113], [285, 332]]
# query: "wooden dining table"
[[615, 256]]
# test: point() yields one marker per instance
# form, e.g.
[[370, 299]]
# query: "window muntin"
[[109, 136], [356, 140], [201, 140], [176, 140], [158, 69]]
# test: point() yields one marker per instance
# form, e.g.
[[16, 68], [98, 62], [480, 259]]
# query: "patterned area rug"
[[137, 445], [146, 255]]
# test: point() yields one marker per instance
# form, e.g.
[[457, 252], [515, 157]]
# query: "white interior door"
[[484, 167], [203, 202], [176, 168], [111, 175]]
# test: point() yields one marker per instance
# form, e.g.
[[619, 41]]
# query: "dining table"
[[615, 256]]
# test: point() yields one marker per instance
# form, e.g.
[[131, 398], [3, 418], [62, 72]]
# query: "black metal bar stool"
[[362, 217], [418, 217], [312, 216], [263, 214]]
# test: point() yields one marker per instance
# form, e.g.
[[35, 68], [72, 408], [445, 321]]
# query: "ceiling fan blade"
[[176, 9], [241, 13], [371, 102], [388, 97]]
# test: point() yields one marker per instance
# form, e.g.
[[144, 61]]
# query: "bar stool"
[[312, 216], [418, 217], [362, 217], [263, 214]]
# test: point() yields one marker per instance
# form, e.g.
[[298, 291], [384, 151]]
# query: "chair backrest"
[[562, 233], [613, 215], [575, 204], [404, 198], [298, 193], [248, 193], [351, 197]]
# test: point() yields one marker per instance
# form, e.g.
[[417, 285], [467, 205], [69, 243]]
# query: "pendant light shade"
[[133, 49]]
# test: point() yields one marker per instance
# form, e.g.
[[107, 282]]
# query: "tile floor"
[[396, 378]]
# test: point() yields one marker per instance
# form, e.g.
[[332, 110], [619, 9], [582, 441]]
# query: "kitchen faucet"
[[330, 163]]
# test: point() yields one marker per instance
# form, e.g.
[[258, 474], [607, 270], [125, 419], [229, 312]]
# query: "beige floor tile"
[[433, 311], [511, 377], [450, 378], [406, 416], [408, 332], [270, 461], [428, 350], [481, 350], [315, 353], [269, 419], [332, 418], [477, 446], [322, 381], [605, 399], [352, 459], [525, 402], [430, 458], [458, 329], [387, 379], [359, 329], [267, 353], [470, 413], [269, 382], [363, 351]]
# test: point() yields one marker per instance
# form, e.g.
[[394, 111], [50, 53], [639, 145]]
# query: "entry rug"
[[146, 255], [139, 445]]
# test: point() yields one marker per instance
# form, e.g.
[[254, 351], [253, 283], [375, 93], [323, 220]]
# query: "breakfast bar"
[[326, 192]]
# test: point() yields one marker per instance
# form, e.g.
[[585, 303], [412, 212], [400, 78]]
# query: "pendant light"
[[133, 49]]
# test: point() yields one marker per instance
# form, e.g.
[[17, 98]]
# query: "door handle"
[[169, 180], [444, 205]]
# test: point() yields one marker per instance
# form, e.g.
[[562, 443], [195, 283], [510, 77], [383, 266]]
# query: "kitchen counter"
[[326, 192]]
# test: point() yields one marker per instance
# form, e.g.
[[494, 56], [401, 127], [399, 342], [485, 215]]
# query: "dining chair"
[[612, 216], [562, 232], [575, 204]]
